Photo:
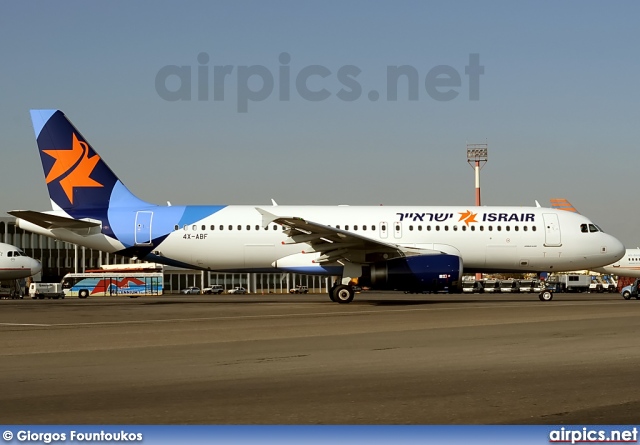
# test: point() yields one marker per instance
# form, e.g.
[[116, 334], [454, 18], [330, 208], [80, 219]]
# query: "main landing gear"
[[341, 293]]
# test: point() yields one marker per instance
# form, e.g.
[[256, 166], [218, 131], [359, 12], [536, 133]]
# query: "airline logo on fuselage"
[[467, 217]]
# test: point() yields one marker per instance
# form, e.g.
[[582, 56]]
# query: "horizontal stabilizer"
[[52, 222]]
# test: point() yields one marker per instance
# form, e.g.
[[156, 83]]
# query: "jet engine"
[[418, 273]]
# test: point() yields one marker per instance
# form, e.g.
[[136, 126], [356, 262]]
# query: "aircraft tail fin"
[[76, 176], [562, 204]]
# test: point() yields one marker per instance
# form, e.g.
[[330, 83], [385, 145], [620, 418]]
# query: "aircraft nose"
[[615, 248], [36, 266]]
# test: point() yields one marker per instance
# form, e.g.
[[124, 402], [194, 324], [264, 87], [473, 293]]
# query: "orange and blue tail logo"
[[76, 177]]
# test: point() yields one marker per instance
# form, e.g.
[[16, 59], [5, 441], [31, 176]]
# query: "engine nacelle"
[[419, 273]]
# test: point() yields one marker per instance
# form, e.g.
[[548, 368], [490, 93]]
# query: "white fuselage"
[[527, 239], [15, 264], [627, 266]]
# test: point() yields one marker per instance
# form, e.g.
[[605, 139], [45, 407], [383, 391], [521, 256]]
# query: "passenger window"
[[411, 228], [446, 227], [194, 227], [437, 228], [429, 228], [419, 228], [185, 227], [490, 228], [204, 227], [257, 227], [464, 228], [507, 228], [382, 227], [525, 228], [213, 227], [355, 227], [473, 228], [455, 228], [346, 227], [221, 227], [338, 227], [275, 227], [533, 228], [364, 227], [499, 228], [230, 227], [374, 228], [176, 227], [482, 228], [516, 228]]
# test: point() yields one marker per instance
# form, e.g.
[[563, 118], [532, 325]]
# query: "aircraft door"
[[551, 230], [384, 230], [142, 229], [397, 229]]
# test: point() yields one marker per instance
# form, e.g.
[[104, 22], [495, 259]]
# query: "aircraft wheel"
[[343, 294], [626, 295], [546, 295]]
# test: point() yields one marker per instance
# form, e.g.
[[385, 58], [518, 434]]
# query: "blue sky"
[[558, 101]]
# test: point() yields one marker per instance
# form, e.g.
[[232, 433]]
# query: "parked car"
[[299, 290], [213, 289], [238, 290], [190, 290], [631, 291]]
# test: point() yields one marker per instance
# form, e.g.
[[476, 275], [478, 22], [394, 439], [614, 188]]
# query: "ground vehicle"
[[192, 290], [472, 287], [46, 290], [238, 290], [492, 286], [631, 290], [7, 292], [602, 283], [569, 283], [509, 286], [299, 290], [112, 283], [213, 289]]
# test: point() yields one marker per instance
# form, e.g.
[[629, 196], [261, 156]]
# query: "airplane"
[[405, 248], [14, 264], [627, 266]]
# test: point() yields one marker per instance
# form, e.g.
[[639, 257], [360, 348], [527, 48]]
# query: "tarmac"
[[300, 359]]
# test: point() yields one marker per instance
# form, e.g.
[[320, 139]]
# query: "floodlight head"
[[477, 152]]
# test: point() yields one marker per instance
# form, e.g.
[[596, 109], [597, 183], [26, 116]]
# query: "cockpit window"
[[584, 228], [593, 228]]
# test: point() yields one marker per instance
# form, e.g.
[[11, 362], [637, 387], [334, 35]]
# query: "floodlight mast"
[[477, 157]]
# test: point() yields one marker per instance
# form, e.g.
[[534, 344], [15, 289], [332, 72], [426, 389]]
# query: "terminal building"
[[60, 258]]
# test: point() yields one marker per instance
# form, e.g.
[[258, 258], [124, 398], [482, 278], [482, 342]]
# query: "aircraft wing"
[[335, 244], [52, 222]]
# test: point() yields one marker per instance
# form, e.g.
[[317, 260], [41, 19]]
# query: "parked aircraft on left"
[[14, 264]]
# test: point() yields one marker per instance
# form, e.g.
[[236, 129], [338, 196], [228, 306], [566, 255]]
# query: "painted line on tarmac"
[[309, 314], [26, 324]]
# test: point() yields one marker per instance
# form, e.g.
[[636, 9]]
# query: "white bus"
[[108, 283]]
